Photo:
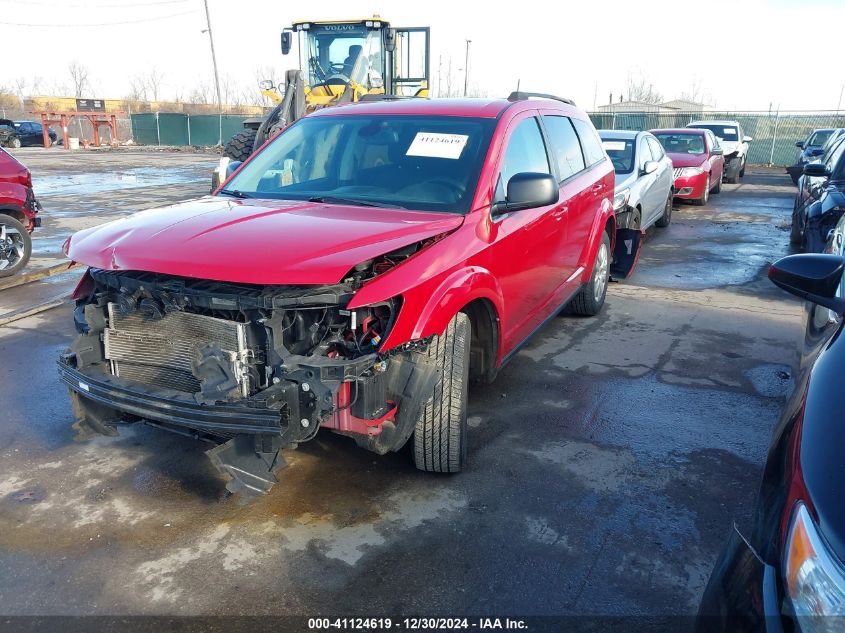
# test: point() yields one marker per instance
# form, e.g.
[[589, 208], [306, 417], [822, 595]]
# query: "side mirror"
[[650, 166], [747, 139], [800, 144], [717, 151], [816, 170], [814, 277], [287, 39], [390, 40], [266, 84], [528, 190]]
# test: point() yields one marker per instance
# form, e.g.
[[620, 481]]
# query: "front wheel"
[[240, 145], [440, 441], [15, 246], [664, 220], [590, 300], [15, 143], [742, 169]]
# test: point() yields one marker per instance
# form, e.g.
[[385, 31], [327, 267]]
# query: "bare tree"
[[153, 81], [200, 93], [79, 76], [137, 88], [696, 93], [639, 88]]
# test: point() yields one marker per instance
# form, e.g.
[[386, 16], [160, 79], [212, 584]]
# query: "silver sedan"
[[643, 192]]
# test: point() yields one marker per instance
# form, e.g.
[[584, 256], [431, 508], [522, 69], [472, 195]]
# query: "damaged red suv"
[[18, 214], [354, 275]]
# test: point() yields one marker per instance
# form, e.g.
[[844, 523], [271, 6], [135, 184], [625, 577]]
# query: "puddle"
[[87, 183]]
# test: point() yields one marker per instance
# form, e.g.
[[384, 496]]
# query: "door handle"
[[597, 187], [558, 213]]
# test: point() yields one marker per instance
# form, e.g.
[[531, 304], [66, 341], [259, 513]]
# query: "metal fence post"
[[158, 131], [613, 121], [189, 128], [774, 138]]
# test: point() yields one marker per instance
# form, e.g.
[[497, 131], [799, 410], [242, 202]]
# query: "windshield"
[[724, 132], [679, 143], [819, 138], [621, 153], [340, 53], [425, 163]]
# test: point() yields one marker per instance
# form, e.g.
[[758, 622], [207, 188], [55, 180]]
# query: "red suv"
[[18, 214], [355, 274]]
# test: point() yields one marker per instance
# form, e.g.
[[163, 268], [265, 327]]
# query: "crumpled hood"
[[687, 160], [254, 241], [729, 147]]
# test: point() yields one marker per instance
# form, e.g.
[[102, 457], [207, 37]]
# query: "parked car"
[[698, 162], [734, 143], [32, 133], [380, 255], [787, 572], [643, 190], [9, 134], [18, 214], [809, 187], [818, 211], [813, 154], [812, 146]]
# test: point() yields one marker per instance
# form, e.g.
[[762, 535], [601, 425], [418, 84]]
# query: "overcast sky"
[[744, 54]]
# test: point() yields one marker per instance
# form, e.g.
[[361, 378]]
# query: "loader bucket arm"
[[289, 110]]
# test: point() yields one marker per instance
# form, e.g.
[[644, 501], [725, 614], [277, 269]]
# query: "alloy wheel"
[[600, 275], [12, 247]]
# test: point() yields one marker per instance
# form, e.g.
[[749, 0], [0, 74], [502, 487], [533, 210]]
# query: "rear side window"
[[565, 145], [526, 152], [590, 142]]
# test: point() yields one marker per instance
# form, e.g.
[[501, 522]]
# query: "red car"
[[355, 274], [18, 214], [698, 161]]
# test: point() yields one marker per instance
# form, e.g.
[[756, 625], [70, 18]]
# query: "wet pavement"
[[607, 463], [80, 189]]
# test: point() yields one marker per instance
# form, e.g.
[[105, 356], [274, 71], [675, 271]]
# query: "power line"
[[63, 26], [62, 5]]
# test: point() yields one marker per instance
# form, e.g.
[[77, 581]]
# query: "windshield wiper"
[[355, 201], [235, 192]]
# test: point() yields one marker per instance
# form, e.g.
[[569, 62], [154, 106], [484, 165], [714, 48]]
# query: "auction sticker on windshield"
[[436, 145], [613, 146], [729, 130]]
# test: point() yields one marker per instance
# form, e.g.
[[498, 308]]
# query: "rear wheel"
[[796, 235], [15, 246], [240, 145], [705, 196], [440, 442], [589, 301], [15, 142], [664, 220]]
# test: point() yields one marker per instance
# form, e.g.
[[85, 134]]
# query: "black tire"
[[796, 235], [17, 260], [440, 442], [15, 142], [240, 145], [729, 168], [664, 220], [718, 187], [705, 196], [742, 169], [590, 300]]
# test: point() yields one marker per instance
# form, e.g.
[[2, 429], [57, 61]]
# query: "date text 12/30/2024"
[[415, 624]]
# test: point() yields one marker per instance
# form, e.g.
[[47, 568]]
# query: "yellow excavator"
[[339, 62]]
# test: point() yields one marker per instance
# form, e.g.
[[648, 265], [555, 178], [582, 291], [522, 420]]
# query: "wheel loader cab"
[[350, 59]]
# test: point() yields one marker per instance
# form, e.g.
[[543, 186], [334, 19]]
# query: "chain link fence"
[[774, 133]]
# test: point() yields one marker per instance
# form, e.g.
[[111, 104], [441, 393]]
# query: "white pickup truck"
[[735, 144]]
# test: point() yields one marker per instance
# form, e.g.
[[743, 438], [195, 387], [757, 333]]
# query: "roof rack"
[[522, 96]]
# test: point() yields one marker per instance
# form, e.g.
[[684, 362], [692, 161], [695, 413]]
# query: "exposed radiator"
[[162, 352]]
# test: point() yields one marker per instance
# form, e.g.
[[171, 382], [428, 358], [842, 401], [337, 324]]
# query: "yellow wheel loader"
[[339, 62]]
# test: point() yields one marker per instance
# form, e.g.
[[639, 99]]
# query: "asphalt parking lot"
[[607, 461]]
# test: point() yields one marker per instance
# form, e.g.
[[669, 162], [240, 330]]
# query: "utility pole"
[[216, 75], [466, 68], [839, 104], [439, 74]]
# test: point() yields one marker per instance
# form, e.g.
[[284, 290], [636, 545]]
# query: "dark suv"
[[18, 214], [380, 256], [825, 203]]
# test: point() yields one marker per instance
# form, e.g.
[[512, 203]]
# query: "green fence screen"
[[176, 128], [774, 134]]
